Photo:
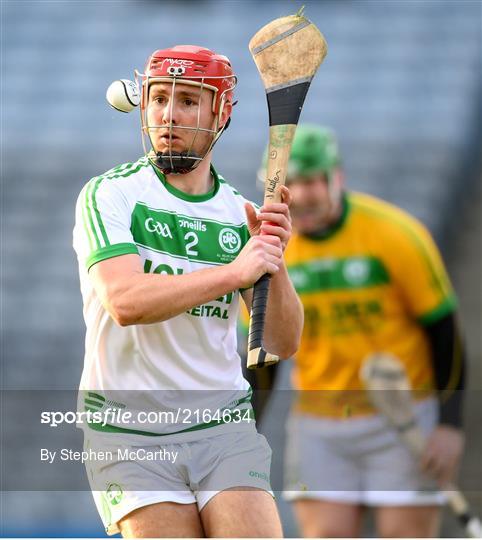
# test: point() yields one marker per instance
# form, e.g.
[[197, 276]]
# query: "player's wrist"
[[282, 274], [232, 277], [450, 428]]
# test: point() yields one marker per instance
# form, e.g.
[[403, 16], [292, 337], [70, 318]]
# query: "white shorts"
[[185, 473], [359, 461]]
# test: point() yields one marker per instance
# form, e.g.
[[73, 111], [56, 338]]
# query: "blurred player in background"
[[164, 247], [371, 279]]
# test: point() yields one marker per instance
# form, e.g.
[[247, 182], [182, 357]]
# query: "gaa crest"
[[229, 240]]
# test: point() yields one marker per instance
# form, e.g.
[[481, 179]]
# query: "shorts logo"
[[356, 271], [162, 229], [114, 494], [261, 475], [229, 240]]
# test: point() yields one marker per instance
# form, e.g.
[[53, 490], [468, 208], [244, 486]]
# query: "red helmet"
[[192, 63], [187, 64]]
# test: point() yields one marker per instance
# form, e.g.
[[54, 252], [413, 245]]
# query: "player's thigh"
[[163, 520], [242, 512], [321, 519], [408, 521]]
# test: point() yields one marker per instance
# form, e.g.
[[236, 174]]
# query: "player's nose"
[[169, 113]]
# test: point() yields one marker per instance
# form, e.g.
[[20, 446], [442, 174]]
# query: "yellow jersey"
[[369, 285]]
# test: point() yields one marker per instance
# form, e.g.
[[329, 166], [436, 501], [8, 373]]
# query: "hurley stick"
[[389, 389], [288, 51]]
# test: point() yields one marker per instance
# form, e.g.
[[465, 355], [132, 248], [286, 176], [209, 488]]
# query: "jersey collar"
[[187, 196]]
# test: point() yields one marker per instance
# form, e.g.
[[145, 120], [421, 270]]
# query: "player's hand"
[[261, 255], [273, 219], [442, 453]]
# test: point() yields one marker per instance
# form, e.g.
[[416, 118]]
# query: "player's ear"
[[339, 178], [336, 185], [226, 113]]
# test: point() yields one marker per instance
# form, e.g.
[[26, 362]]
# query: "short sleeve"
[[102, 223], [419, 272]]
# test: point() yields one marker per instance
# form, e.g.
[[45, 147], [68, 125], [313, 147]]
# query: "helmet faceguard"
[[189, 65]]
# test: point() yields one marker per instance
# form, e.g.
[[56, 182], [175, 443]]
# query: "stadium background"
[[401, 85]]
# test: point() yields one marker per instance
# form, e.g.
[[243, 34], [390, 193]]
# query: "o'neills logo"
[[271, 183], [194, 225], [261, 475]]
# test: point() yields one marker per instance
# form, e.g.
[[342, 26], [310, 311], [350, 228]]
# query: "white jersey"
[[189, 361]]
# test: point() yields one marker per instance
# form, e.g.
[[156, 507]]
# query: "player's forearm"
[[284, 316], [151, 298]]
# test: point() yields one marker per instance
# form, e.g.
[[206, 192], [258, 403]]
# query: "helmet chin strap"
[[172, 162], [177, 162]]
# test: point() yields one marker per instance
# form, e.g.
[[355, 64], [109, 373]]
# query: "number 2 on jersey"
[[193, 241]]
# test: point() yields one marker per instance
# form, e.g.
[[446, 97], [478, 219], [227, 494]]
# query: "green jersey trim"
[[115, 429], [94, 223], [225, 418], [187, 196], [449, 305], [344, 273], [109, 252], [86, 222], [92, 218]]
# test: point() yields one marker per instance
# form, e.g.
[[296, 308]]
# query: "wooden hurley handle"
[[280, 139]]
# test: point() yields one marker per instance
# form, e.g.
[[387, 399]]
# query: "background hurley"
[[400, 85]]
